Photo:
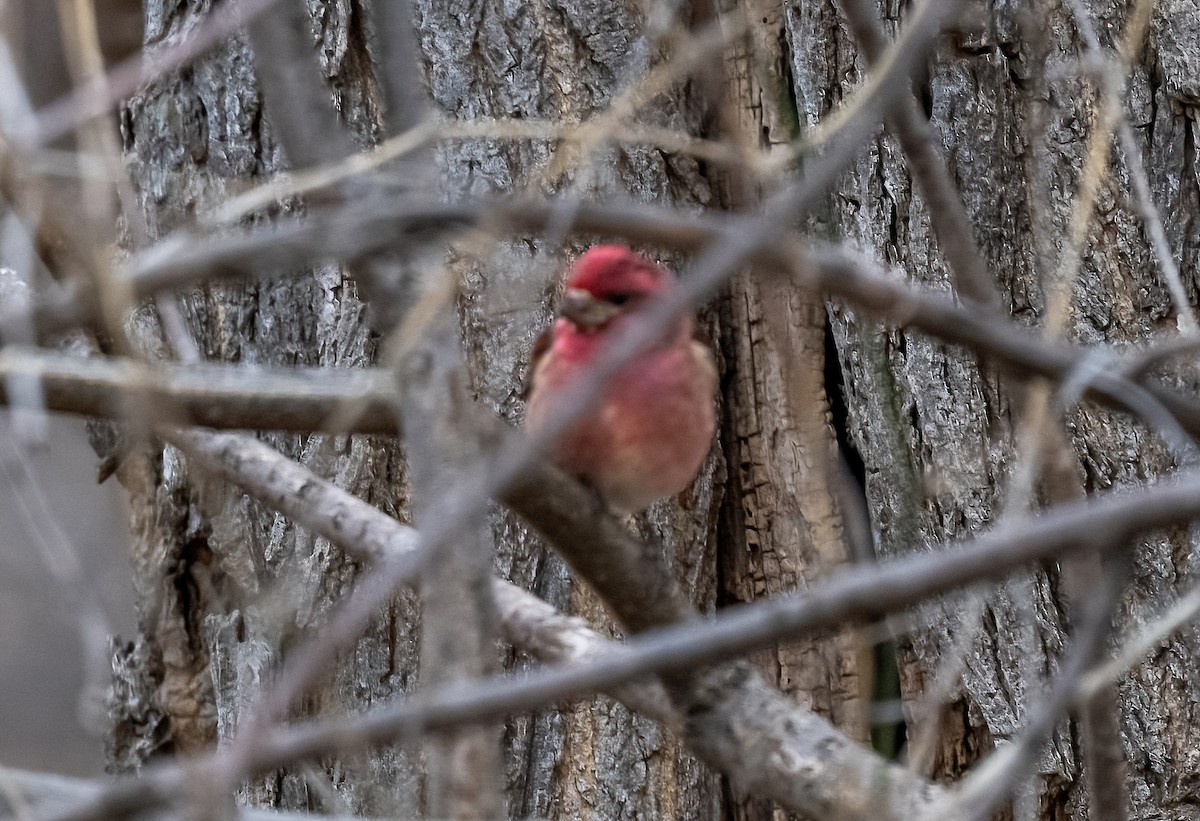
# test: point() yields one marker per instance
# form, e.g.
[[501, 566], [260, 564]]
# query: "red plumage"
[[649, 433]]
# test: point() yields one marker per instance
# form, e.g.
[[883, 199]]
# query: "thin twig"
[[80, 387], [990, 782], [918, 140], [309, 180]]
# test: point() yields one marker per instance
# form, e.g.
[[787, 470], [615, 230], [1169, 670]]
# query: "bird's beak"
[[585, 310]]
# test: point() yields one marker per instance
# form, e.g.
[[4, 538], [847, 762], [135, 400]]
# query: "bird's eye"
[[617, 299]]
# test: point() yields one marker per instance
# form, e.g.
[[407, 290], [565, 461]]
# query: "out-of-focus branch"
[[319, 513], [46, 792], [834, 768], [841, 273], [405, 100], [863, 592], [1112, 75], [53, 239], [458, 612], [211, 395], [1060, 284], [993, 780], [430, 130], [371, 535], [860, 283], [340, 238], [295, 95], [82, 387]]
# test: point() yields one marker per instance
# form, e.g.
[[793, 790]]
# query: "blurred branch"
[[212, 395], [1060, 284], [1112, 75], [295, 95], [355, 232], [861, 283], [371, 535], [859, 593], [458, 619], [432, 130], [839, 272], [45, 793], [405, 100], [335, 514], [992, 781]]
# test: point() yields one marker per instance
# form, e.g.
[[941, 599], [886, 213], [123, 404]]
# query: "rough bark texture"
[[936, 430], [225, 587], [781, 529]]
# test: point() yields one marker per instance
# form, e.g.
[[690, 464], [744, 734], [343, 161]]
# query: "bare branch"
[[48, 792], [458, 615], [993, 780], [212, 395], [837, 271], [296, 99]]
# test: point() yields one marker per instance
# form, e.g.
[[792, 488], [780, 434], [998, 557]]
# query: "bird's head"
[[609, 281]]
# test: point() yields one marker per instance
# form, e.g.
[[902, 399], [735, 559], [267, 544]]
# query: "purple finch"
[[649, 432]]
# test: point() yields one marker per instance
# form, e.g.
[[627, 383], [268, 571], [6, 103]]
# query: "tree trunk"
[[936, 428], [226, 587]]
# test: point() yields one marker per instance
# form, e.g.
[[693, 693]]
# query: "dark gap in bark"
[[789, 105], [835, 388], [1189, 195], [731, 524], [888, 736]]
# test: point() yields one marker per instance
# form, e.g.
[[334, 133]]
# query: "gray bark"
[[936, 430], [225, 588]]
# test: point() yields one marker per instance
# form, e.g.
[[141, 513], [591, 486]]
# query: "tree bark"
[[227, 588], [935, 427]]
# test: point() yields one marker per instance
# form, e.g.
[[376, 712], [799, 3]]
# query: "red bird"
[[648, 434]]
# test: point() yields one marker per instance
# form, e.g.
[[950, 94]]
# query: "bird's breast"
[[649, 433]]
